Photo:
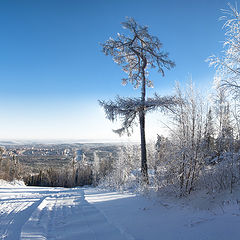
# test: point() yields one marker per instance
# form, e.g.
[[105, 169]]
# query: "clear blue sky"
[[52, 70]]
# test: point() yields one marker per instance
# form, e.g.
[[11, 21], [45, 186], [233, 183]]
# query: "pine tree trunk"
[[144, 167]]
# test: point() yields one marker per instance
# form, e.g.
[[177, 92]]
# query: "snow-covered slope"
[[88, 213], [15, 183]]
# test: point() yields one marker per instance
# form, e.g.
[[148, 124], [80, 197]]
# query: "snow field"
[[166, 218], [91, 214], [52, 213]]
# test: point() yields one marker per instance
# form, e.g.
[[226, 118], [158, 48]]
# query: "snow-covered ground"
[[88, 213]]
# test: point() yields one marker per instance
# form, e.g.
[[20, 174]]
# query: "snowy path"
[[90, 214], [41, 213], [14, 211]]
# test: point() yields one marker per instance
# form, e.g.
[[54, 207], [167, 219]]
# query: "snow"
[[154, 218], [90, 213], [14, 183]]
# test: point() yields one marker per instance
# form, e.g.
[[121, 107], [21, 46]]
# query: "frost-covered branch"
[[228, 66], [132, 51], [167, 103], [127, 109]]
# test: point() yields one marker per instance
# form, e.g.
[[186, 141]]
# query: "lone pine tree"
[[137, 53]]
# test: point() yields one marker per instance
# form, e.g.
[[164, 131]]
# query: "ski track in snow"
[[13, 213], [53, 213], [38, 213]]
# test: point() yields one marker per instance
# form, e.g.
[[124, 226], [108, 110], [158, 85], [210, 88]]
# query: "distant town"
[[36, 157]]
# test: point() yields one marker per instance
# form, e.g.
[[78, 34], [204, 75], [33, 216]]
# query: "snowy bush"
[[223, 175], [124, 172]]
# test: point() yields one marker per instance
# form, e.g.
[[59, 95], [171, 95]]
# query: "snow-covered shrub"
[[125, 173], [182, 155], [224, 174], [101, 168]]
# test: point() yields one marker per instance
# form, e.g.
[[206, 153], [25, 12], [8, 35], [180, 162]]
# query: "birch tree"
[[228, 66], [136, 53], [187, 136]]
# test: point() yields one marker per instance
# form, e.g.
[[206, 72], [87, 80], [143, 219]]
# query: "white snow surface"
[[90, 213], [14, 183]]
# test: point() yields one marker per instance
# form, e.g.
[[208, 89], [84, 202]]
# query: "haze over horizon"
[[52, 70]]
